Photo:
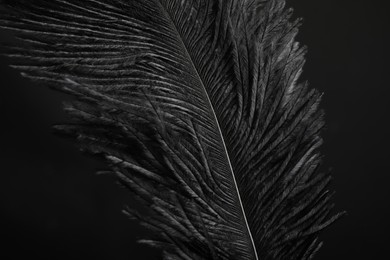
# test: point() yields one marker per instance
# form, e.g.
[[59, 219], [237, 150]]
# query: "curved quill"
[[197, 107]]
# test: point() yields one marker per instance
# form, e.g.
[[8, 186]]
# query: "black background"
[[53, 206]]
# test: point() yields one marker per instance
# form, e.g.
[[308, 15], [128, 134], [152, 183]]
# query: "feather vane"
[[197, 108]]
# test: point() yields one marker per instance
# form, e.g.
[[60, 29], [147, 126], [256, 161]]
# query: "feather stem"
[[220, 133]]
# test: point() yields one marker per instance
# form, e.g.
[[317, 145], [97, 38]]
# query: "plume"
[[197, 107]]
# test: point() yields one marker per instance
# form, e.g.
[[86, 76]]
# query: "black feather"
[[197, 107]]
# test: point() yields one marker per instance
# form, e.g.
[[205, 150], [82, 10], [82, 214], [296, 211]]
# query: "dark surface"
[[53, 206]]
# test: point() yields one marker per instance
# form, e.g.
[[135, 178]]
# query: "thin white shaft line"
[[234, 179], [220, 133]]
